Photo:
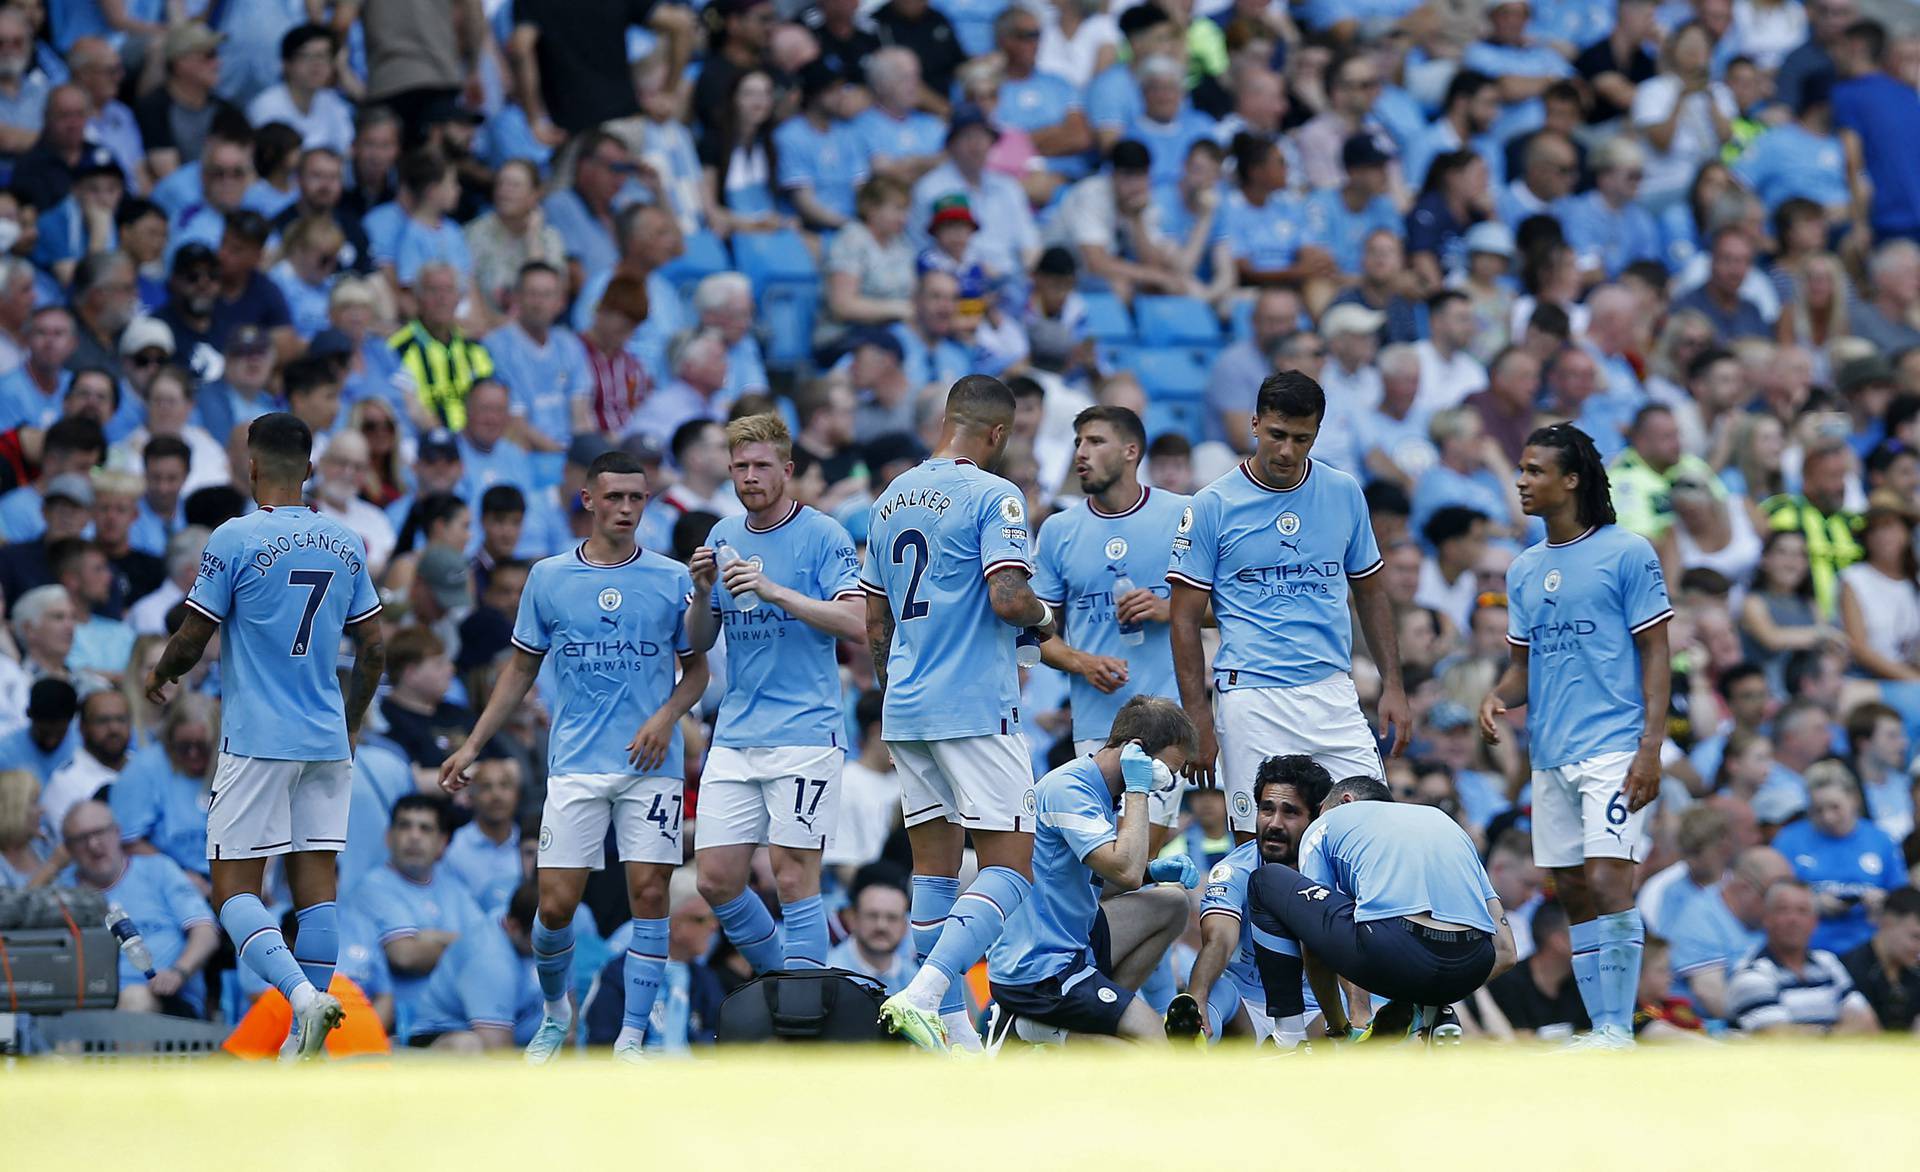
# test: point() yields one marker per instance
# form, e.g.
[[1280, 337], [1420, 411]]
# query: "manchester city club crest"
[[1553, 581], [1288, 524], [1242, 805], [610, 599], [1116, 548]]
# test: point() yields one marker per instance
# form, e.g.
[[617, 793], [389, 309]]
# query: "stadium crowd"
[[473, 244]]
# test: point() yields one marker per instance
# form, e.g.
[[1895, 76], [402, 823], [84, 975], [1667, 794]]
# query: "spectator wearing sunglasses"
[[584, 212], [306, 274]]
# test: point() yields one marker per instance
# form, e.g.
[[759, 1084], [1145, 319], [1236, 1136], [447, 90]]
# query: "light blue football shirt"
[[283, 583], [1576, 608], [543, 381], [935, 536], [884, 137], [481, 981], [783, 680], [1048, 933], [399, 908], [1396, 859], [1269, 236], [1277, 564], [1226, 894], [831, 162], [612, 633], [1080, 554]]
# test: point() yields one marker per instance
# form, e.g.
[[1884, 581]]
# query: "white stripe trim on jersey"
[[1370, 571], [1184, 580], [1653, 622], [1055, 603], [1518, 642], [525, 648], [1246, 469], [875, 591], [1590, 531], [1083, 823], [793, 510], [363, 616], [1005, 564], [580, 551], [203, 610], [841, 595], [1145, 492], [1218, 911]]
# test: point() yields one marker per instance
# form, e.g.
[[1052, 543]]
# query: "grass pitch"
[[1827, 1106]]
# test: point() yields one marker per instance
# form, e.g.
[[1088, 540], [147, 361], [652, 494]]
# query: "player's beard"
[[1092, 483], [1283, 843]]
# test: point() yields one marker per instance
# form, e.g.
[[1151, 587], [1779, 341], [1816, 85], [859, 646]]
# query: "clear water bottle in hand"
[[1132, 634], [725, 556], [132, 946], [1026, 648]]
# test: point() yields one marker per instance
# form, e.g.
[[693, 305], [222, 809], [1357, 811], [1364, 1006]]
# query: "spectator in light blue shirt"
[[1166, 124], [1472, 104], [584, 214], [1524, 66], [306, 274], [1464, 474], [1801, 158], [724, 302], [898, 138], [415, 230], [1607, 227], [1113, 97], [486, 453], [1042, 105], [821, 164], [929, 352], [877, 945], [1340, 219], [97, 69]]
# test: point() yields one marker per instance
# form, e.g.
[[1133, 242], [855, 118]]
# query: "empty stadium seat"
[[773, 257], [1175, 321], [705, 255], [1107, 318]]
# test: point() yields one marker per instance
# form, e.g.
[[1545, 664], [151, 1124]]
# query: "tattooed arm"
[[184, 650], [1013, 599], [369, 664], [879, 634]]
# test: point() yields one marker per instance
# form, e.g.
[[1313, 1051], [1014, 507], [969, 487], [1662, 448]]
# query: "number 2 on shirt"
[[915, 541]]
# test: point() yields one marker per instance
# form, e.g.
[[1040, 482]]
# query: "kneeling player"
[[1224, 993], [1390, 897], [1050, 965]]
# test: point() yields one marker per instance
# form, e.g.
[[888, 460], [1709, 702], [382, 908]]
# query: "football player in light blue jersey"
[[1069, 960], [282, 585], [1389, 897], [1224, 992], [1277, 545], [1587, 619], [613, 616], [1119, 640], [789, 591], [947, 588]]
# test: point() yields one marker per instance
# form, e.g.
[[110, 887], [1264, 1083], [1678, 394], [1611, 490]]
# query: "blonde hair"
[[761, 429], [19, 817], [1832, 775], [317, 232]]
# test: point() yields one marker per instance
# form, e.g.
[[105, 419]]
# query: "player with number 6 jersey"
[[612, 619], [788, 589], [947, 588]]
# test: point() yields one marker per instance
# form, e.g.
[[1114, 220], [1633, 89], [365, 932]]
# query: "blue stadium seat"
[[1175, 321], [1107, 318], [786, 316], [769, 258], [1185, 417], [1171, 374], [1242, 323], [705, 255]]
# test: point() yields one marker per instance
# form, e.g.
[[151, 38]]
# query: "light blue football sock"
[[976, 920], [552, 958], [805, 932], [1585, 940], [933, 897], [317, 946], [751, 930], [260, 946], [646, 961], [1623, 939]]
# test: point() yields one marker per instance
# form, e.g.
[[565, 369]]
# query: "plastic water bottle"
[[1132, 634], [726, 555], [1026, 648], [132, 946]]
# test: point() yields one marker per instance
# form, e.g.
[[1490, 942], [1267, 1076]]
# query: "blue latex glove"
[[1179, 869], [1136, 769]]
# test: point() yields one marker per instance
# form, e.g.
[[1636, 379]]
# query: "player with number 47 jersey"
[[1587, 619], [612, 618], [783, 582]]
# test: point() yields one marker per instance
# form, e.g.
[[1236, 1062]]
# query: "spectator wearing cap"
[[305, 98], [1354, 87], [46, 740], [1548, 172], [1607, 226], [174, 119], [1243, 366], [1044, 106], [441, 594], [883, 396], [1113, 96], [1876, 112], [415, 229], [193, 290], [226, 176], [1340, 219], [83, 221], [696, 391], [1466, 116], [1352, 333], [438, 364], [1009, 240], [900, 140], [649, 240], [543, 365], [821, 161], [1454, 740], [1787, 986], [239, 396], [30, 394], [44, 174], [1265, 227], [438, 472], [53, 505], [103, 304]]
